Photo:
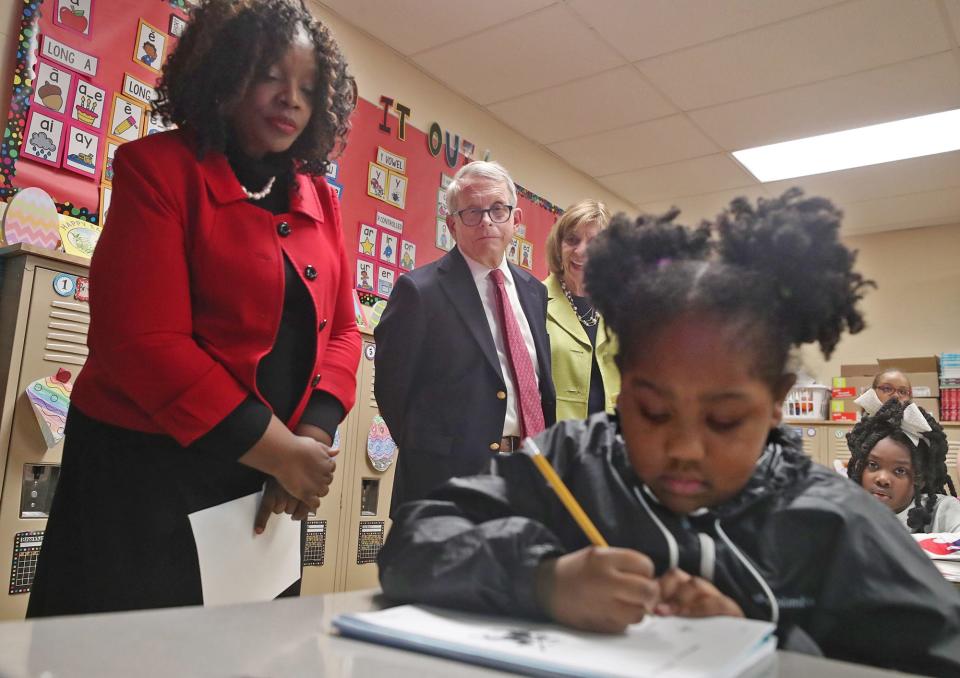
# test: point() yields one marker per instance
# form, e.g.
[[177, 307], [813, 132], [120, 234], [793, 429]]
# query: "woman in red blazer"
[[223, 344]]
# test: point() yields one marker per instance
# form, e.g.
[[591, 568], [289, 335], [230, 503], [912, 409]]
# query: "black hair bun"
[[793, 242]]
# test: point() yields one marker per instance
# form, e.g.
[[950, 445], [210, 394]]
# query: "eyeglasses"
[[888, 390], [498, 214]]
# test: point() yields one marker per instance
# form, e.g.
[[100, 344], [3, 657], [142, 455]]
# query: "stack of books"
[[950, 387]]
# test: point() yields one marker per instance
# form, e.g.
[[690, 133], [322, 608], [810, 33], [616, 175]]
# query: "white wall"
[[915, 309]]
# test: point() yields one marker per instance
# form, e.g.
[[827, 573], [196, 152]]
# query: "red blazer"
[[187, 289]]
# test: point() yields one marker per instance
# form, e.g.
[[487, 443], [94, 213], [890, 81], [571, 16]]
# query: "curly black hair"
[[226, 46], [777, 273], [929, 458]]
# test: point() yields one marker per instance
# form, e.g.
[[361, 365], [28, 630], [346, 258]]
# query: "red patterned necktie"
[[524, 376]]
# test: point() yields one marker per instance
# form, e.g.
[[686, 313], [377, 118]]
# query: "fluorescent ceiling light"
[[886, 142]]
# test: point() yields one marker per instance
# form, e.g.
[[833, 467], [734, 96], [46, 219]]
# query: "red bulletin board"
[[423, 172], [110, 32], [113, 34]]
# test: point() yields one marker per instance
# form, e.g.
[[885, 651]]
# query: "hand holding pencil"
[[563, 493], [603, 588], [598, 588]]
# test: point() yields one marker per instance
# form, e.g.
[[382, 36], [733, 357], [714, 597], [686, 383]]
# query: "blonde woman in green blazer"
[[582, 351]]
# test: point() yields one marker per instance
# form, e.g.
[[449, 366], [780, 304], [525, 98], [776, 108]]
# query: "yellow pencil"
[[553, 480]]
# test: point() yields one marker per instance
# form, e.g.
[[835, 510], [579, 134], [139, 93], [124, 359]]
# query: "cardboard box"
[[924, 384], [850, 387], [844, 410], [921, 364], [859, 370], [931, 405]]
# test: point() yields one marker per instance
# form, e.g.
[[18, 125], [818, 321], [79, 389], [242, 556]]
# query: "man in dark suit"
[[463, 357]]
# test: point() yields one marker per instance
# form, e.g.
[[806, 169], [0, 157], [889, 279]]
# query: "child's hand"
[[684, 595], [598, 589]]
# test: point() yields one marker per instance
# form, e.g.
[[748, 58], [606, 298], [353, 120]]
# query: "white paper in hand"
[[238, 566]]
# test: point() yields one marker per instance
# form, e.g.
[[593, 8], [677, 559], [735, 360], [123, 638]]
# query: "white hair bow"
[[913, 425]]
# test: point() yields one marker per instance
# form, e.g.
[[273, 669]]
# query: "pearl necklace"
[[259, 195], [588, 319]]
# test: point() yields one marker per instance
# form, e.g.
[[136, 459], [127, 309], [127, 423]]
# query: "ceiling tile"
[[534, 52], [650, 143], [600, 102], [914, 210], [926, 85], [694, 208], [411, 27], [839, 40], [916, 175], [708, 174], [644, 29]]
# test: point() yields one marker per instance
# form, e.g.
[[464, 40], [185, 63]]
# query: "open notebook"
[[666, 647]]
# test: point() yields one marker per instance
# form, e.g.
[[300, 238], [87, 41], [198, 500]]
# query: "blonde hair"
[[585, 211]]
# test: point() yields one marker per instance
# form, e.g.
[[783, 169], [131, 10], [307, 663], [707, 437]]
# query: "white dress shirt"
[[488, 295]]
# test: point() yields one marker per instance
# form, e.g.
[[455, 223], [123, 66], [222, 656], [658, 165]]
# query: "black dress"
[[118, 537]]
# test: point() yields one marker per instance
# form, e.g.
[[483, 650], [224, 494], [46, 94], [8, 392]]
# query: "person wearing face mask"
[[581, 346], [223, 343], [708, 503]]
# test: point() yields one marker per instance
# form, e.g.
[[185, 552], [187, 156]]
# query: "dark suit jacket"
[[438, 376]]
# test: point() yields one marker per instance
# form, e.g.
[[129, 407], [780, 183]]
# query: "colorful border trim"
[[537, 200]]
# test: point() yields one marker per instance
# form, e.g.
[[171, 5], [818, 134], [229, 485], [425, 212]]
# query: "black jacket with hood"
[[800, 545]]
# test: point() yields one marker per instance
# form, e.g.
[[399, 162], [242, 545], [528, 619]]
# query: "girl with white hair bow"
[[898, 454]]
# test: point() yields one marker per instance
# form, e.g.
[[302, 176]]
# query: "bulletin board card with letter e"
[[83, 78], [392, 179]]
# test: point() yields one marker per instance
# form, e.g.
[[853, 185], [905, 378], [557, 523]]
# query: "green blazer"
[[572, 356]]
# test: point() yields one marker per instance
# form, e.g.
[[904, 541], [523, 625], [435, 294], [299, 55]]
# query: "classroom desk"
[[281, 638]]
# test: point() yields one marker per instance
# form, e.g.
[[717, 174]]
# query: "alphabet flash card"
[[109, 149], [377, 182], [83, 152], [408, 255], [397, 193], [53, 87], [368, 240], [150, 46], [43, 139], [74, 15], [126, 119], [89, 104], [388, 248]]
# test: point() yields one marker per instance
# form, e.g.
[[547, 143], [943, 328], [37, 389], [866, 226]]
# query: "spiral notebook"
[[665, 647]]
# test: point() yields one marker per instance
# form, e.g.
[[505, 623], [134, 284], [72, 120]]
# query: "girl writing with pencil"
[[709, 506]]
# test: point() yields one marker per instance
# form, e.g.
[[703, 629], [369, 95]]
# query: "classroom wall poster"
[[67, 72]]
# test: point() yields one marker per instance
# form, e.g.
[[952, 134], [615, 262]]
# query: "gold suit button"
[[502, 395], [495, 447]]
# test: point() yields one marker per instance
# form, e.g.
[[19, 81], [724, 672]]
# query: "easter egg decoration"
[[32, 218], [380, 446], [50, 399]]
